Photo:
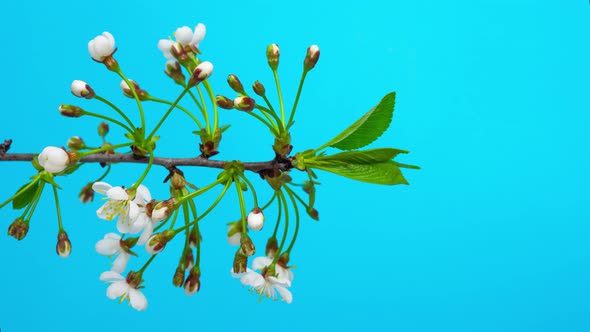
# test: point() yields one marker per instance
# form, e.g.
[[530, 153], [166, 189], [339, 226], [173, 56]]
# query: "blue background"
[[491, 235]]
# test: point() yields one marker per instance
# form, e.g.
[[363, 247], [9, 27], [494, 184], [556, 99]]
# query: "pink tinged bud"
[[18, 229], [53, 159], [163, 209], [86, 195], [259, 89], [82, 89], [272, 245], [157, 242], [240, 262], [312, 57], [235, 84], [247, 246], [201, 73], [234, 233], [64, 246], [192, 283], [256, 219], [71, 111], [244, 103], [224, 102], [188, 259], [76, 143], [141, 94], [272, 55], [174, 72], [178, 278]]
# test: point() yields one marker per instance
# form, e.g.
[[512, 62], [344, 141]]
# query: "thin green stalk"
[[249, 184], [242, 204], [196, 223], [205, 113], [289, 123], [259, 118], [105, 148], [199, 218], [290, 193], [139, 106], [118, 110], [174, 219], [147, 169], [212, 97], [267, 111], [59, 223], [149, 261], [166, 114], [274, 196], [108, 118], [35, 201], [284, 238], [276, 76], [200, 191], [280, 209], [105, 174], [191, 115], [196, 101]]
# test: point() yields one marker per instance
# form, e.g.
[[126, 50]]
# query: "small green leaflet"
[[25, 196], [380, 173], [366, 129]]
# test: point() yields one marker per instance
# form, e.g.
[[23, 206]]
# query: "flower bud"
[[224, 102], [240, 264], [82, 89], [177, 181], [178, 278], [234, 233], [244, 103], [174, 72], [157, 242], [259, 89], [18, 229], [102, 47], [311, 58], [141, 94], [194, 238], [76, 143], [86, 194], [103, 129], [162, 210], [247, 245], [284, 259], [64, 246], [313, 213], [272, 55], [201, 73], [256, 219], [272, 245], [53, 159], [235, 84], [71, 111], [188, 259], [192, 284]]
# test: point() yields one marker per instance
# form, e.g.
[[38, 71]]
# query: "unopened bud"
[[188, 259], [194, 238], [76, 143], [103, 129], [192, 284], [71, 111], [272, 245], [313, 213], [141, 94], [256, 219], [174, 72], [311, 58], [86, 194], [259, 89], [201, 73], [64, 246], [234, 233], [272, 55], [178, 278], [162, 210], [18, 229], [235, 84], [82, 89], [224, 102], [157, 242], [244, 103], [177, 181], [247, 245], [284, 259], [240, 264]]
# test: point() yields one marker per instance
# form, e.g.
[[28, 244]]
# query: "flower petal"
[[118, 194], [148, 230], [137, 299], [117, 289], [120, 263], [142, 195], [261, 262], [101, 187], [253, 279], [109, 245], [285, 293], [184, 35], [199, 34], [111, 276]]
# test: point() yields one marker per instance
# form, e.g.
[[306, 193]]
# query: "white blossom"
[[102, 46], [269, 286], [120, 288], [53, 159], [256, 219], [119, 204], [111, 245]]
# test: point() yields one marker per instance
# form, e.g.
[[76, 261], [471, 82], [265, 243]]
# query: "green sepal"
[[23, 199], [368, 128]]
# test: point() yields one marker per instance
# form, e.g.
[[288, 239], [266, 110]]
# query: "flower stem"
[[149, 261], [290, 122], [147, 169], [35, 201], [280, 210], [199, 218], [172, 106], [108, 118], [191, 115], [200, 191], [204, 110], [242, 204], [212, 97], [290, 193], [274, 196], [267, 111], [59, 223], [196, 101], [259, 118], [132, 88], [105, 148], [282, 105], [284, 238], [249, 184], [118, 110]]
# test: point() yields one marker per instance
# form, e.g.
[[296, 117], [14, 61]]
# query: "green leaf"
[[368, 128], [371, 156], [380, 173], [26, 196]]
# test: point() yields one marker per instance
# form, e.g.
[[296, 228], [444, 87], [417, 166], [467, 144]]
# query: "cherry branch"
[[168, 163]]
